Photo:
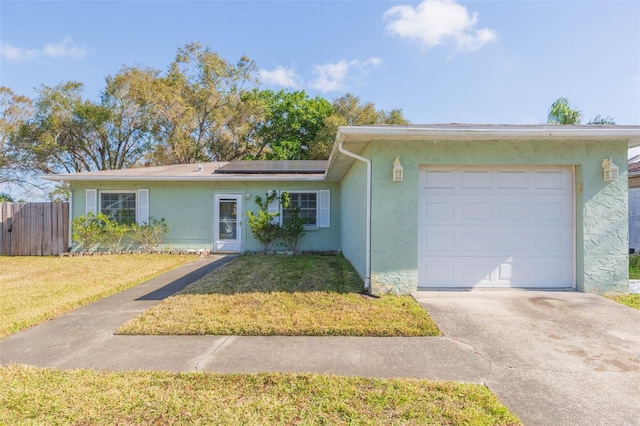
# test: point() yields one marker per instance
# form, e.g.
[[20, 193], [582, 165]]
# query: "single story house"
[[433, 206]]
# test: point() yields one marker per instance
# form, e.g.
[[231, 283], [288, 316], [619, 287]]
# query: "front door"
[[226, 223]]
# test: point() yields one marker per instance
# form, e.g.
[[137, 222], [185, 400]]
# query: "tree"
[[561, 112], [71, 134], [290, 123], [199, 108], [15, 110], [348, 110], [598, 120]]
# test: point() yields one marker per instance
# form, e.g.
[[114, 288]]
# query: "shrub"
[[149, 234], [262, 224], [88, 230], [292, 228], [114, 233]]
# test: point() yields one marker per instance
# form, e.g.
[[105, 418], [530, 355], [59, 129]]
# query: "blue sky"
[[440, 61]]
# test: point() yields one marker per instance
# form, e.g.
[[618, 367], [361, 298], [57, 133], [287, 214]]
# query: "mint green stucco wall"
[[353, 210], [601, 248], [188, 209]]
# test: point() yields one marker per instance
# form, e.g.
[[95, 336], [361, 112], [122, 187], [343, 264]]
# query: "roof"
[[355, 139], [303, 167], [214, 171], [634, 169]]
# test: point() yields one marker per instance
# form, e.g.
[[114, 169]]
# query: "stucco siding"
[[353, 202], [601, 207], [188, 209]]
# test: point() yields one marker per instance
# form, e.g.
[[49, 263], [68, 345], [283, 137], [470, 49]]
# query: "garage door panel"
[[490, 209], [496, 227], [512, 179], [480, 179], [552, 179], [439, 179]]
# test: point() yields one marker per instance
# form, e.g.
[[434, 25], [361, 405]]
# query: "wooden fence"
[[34, 229]]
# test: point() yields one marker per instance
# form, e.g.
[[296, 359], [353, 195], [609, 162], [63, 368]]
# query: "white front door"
[[227, 235]]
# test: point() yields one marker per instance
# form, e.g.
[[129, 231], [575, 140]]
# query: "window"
[[120, 206], [307, 202]]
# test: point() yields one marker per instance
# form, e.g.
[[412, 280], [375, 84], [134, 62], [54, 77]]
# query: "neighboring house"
[[465, 206], [634, 204]]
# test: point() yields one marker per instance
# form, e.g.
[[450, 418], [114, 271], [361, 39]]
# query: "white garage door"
[[495, 227]]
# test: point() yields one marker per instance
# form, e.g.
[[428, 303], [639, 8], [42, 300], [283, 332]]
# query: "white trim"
[[142, 206], [257, 178], [70, 241], [91, 201], [274, 207], [217, 243], [118, 191], [304, 191], [324, 208]]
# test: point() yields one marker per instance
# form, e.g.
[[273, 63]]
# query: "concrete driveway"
[[554, 358]]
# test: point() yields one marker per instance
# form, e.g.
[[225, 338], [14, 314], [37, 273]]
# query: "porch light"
[[610, 170], [398, 170]]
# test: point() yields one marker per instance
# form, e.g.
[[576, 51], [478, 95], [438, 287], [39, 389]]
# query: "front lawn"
[[631, 300], [35, 289], [634, 267], [60, 397], [283, 295]]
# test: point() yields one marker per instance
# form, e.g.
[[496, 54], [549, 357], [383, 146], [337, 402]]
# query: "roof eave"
[[228, 178]]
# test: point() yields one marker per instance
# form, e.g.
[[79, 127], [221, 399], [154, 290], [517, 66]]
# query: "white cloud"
[[281, 76], [63, 49], [333, 76], [436, 22]]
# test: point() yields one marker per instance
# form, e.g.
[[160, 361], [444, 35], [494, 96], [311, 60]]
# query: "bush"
[[292, 228], [266, 230], [88, 230], [148, 235], [97, 231], [262, 224]]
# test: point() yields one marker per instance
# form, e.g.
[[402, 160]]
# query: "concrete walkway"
[[552, 357]]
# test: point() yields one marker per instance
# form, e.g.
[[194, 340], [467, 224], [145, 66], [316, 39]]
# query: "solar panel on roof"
[[273, 167]]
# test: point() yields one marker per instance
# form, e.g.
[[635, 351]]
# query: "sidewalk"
[[84, 339], [551, 357]]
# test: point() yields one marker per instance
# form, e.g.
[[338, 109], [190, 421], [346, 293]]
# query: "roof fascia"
[[227, 178]]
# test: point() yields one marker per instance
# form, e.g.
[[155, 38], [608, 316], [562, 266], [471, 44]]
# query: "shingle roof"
[[236, 170], [274, 167]]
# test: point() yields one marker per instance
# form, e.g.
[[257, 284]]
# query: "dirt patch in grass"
[[55, 397], [35, 289], [631, 300], [284, 296]]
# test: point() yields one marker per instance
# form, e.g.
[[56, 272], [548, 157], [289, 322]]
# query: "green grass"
[[59, 397], [35, 289], [631, 300], [283, 295], [634, 266]]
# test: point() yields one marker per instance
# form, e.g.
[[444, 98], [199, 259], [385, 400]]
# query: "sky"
[[440, 61]]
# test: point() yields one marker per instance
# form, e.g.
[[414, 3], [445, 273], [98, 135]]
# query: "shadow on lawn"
[[180, 283], [290, 274]]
